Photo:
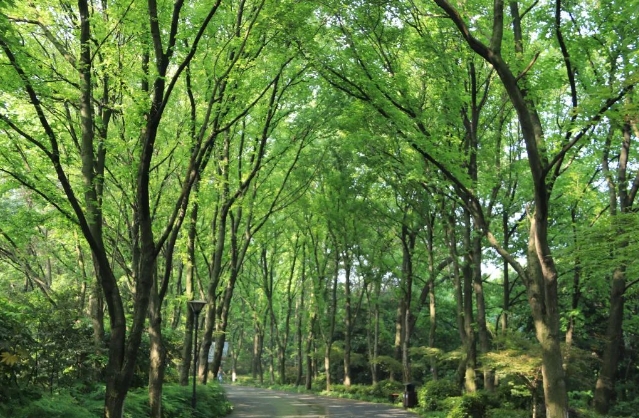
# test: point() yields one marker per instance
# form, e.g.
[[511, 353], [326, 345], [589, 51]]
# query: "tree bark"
[[300, 310], [157, 354], [308, 353], [347, 319], [543, 301], [187, 347], [542, 282], [605, 386], [621, 200], [372, 336], [409, 239], [468, 272]]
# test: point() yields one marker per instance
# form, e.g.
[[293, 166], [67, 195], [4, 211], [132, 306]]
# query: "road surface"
[[251, 402]]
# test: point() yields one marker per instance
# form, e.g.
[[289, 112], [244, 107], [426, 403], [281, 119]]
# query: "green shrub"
[[508, 413], [625, 408], [435, 391], [176, 402], [339, 388], [363, 391], [319, 383], [448, 404], [81, 403], [472, 405], [54, 406], [437, 414]]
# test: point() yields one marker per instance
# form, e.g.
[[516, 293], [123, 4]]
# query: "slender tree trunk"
[[96, 309], [255, 359], [408, 248], [543, 301], [187, 347], [298, 332], [432, 311], [482, 330], [468, 277], [542, 280], [328, 337], [157, 354], [309, 350], [327, 365], [506, 293], [576, 293], [399, 334], [459, 295], [347, 320], [272, 353], [605, 387], [373, 337], [300, 342]]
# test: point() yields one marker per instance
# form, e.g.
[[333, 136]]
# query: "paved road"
[[263, 403]]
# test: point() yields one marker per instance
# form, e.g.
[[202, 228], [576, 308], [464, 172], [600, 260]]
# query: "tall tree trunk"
[[187, 346], [373, 337], [299, 340], [482, 329], [543, 301], [468, 273], [328, 337], [542, 280], [157, 354], [605, 386], [258, 348], [399, 334], [347, 319], [298, 332], [432, 318], [459, 294], [576, 291], [308, 353], [505, 307], [409, 239]]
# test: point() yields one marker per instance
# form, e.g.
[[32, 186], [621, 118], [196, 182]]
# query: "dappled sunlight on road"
[[261, 403]]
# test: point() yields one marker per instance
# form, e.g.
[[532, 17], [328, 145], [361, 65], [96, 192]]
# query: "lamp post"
[[196, 307]]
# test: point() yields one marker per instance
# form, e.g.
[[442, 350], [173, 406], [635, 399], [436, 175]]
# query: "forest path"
[[249, 402]]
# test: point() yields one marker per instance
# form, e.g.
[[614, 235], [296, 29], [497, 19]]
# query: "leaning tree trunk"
[[542, 277]]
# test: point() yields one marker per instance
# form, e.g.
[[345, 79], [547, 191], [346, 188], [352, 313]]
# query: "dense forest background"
[[361, 191]]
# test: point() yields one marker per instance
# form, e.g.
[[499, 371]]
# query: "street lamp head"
[[196, 306]]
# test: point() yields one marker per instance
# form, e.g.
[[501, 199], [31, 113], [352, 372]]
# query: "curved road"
[[249, 402]]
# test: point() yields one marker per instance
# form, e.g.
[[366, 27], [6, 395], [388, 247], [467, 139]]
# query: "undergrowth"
[[89, 403]]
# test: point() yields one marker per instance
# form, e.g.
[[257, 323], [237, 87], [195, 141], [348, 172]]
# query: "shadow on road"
[[251, 402]]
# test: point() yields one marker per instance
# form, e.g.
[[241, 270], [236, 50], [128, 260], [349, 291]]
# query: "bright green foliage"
[[54, 406], [507, 413], [434, 392], [211, 403], [471, 405], [357, 117]]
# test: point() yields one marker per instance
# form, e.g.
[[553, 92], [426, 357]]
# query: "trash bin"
[[410, 396]]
